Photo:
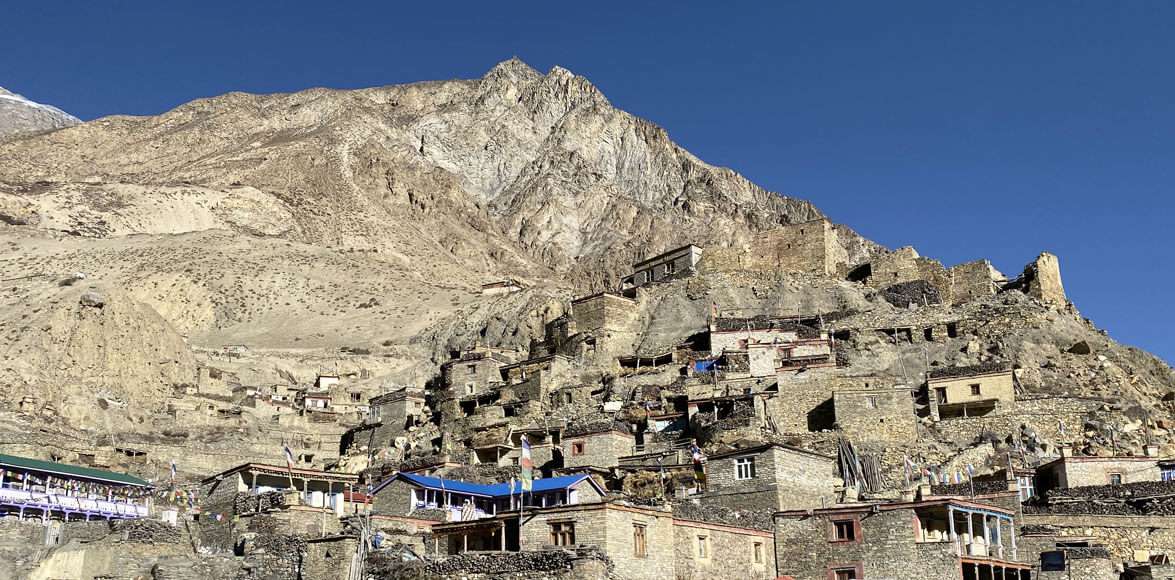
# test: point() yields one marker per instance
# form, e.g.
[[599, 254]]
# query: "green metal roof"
[[74, 470]]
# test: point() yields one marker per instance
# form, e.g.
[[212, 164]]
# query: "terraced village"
[[499, 329]]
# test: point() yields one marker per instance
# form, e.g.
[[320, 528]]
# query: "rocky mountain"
[[266, 239], [20, 116]]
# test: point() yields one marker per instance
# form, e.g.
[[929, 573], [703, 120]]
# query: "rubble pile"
[[912, 293], [244, 503], [146, 531], [968, 370], [1146, 498], [965, 489], [275, 555], [495, 563]]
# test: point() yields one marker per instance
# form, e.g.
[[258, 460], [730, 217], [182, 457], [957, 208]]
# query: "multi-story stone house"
[[937, 538]]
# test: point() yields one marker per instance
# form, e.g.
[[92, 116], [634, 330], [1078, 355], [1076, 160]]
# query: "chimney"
[[1150, 450], [1066, 450]]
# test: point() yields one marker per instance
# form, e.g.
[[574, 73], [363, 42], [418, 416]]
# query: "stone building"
[[606, 324], [1070, 471], [939, 538], [393, 414], [770, 477], [597, 445], [705, 551], [972, 391], [308, 487], [676, 263], [876, 414], [772, 344], [51, 490], [473, 372], [809, 247], [407, 494], [638, 540]]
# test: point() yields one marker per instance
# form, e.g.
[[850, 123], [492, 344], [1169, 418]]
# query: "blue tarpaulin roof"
[[488, 490]]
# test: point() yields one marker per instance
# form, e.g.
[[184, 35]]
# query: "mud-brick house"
[[770, 477], [938, 538], [972, 391], [407, 494]]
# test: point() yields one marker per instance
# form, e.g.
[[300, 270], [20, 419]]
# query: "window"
[[1027, 487], [757, 552], [670, 268], [577, 448], [563, 534], [703, 550], [470, 389], [1115, 479], [744, 468], [472, 369], [640, 546], [975, 389], [871, 402], [940, 393], [356, 397], [844, 530], [567, 397], [843, 574]]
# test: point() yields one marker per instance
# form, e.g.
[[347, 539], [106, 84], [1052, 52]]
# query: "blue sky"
[[996, 129]]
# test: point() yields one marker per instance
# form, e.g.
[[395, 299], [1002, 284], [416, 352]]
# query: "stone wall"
[[1095, 471], [1041, 414], [730, 553], [810, 247], [394, 499], [886, 550], [611, 528], [1121, 535], [885, 415], [784, 479], [598, 449], [974, 280], [329, 558], [1042, 279], [479, 373]]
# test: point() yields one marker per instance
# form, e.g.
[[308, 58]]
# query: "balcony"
[[56, 500]]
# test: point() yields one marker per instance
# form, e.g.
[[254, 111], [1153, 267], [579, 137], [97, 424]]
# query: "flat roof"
[[71, 470], [284, 470], [765, 447]]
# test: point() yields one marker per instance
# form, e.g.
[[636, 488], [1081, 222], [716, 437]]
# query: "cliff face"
[[515, 171]]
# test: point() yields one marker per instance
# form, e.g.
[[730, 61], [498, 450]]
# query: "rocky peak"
[[21, 116]]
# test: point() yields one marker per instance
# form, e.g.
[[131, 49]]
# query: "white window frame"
[[744, 468]]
